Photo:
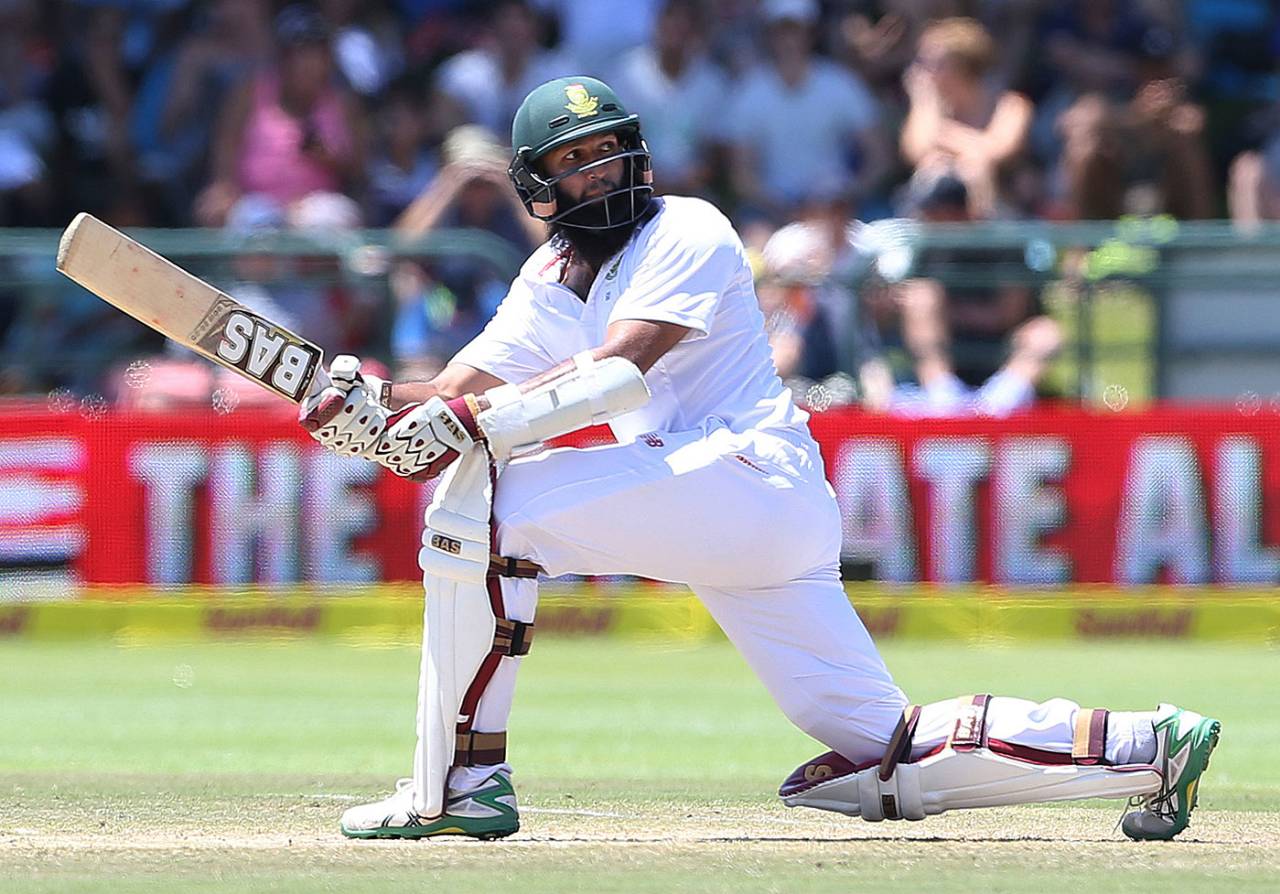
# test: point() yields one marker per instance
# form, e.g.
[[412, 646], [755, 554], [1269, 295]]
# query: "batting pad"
[[969, 769], [458, 619], [953, 780]]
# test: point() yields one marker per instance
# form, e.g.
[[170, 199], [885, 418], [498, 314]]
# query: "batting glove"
[[417, 442]]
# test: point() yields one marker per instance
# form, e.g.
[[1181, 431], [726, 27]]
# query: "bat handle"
[[345, 368], [319, 381]]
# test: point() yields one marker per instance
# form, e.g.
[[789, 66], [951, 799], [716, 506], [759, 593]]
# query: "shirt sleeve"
[[508, 347], [681, 277]]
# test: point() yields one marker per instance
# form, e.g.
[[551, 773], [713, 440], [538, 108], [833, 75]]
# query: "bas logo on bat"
[[159, 293], [264, 352]]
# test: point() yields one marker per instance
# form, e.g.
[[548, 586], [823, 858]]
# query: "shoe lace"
[[1136, 802], [1159, 803]]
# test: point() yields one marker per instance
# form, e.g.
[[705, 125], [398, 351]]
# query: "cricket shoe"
[[486, 812], [1184, 741]]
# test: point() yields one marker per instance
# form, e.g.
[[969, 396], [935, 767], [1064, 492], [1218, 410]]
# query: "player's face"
[[597, 181]]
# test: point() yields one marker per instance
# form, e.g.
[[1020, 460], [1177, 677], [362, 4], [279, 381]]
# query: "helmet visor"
[[613, 205]]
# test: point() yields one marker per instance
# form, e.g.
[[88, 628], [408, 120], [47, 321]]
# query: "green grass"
[[224, 767]]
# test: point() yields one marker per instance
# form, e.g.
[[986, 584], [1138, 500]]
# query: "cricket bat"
[[160, 294]]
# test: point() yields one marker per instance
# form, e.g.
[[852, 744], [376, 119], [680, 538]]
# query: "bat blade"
[[160, 294]]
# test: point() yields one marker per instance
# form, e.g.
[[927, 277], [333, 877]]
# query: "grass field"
[[640, 768]]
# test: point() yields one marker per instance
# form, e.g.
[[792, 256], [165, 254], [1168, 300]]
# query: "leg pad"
[[968, 770]]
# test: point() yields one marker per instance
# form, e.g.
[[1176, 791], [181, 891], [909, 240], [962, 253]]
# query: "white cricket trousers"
[[748, 521]]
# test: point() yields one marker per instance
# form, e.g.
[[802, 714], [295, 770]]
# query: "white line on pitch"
[[561, 811]]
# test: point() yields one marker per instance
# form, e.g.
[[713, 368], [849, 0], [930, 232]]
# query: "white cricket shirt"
[[685, 265]]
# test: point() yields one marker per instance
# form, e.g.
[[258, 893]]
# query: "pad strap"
[[900, 744], [503, 566], [1089, 744], [512, 638], [480, 749], [970, 731]]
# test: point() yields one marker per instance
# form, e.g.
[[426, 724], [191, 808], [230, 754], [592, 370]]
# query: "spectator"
[[90, 97], [677, 92], [733, 42], [595, 34], [795, 266], [342, 315], [1009, 390], [957, 120], [63, 335], [1094, 46], [955, 333], [473, 191], [1146, 155], [443, 302], [256, 273], [407, 160], [365, 44], [26, 126], [799, 125], [812, 315], [879, 40], [490, 81], [169, 124], [1253, 191], [825, 232], [289, 132]]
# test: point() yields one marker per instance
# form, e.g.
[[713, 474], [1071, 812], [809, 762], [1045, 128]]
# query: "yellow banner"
[[393, 614]]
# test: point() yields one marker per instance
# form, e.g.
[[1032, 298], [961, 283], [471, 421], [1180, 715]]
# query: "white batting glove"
[[417, 441]]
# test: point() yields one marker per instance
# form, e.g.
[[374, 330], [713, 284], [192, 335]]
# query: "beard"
[[599, 243]]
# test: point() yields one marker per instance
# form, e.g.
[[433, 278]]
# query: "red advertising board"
[[1186, 495]]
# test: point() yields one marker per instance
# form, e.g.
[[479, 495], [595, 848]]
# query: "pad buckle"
[[512, 638], [480, 749], [504, 566]]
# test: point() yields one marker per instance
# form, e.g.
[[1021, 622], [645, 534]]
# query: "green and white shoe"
[[1184, 741], [487, 812]]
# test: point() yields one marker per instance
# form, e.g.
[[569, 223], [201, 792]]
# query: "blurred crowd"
[[798, 117]]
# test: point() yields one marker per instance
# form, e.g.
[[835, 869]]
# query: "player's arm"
[[454, 380], [642, 342], [430, 428]]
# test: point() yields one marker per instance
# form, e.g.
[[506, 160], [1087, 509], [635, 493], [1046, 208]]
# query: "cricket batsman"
[[640, 312]]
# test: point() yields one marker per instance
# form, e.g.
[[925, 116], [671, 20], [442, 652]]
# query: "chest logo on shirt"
[[581, 103], [613, 271]]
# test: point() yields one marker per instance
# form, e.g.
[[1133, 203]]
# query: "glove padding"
[[417, 442]]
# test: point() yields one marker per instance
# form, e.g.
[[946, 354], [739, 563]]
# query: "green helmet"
[[560, 112]]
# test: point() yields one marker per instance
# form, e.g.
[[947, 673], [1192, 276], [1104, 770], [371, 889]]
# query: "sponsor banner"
[[1049, 498], [173, 498], [1059, 496], [392, 615]]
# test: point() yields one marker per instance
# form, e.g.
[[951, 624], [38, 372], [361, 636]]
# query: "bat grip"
[[319, 381]]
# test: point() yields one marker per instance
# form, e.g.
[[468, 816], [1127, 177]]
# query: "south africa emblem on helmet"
[[581, 103]]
